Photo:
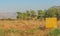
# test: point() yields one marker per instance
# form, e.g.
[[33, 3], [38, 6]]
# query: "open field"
[[24, 28]]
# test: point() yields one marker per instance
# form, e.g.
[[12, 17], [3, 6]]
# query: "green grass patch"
[[55, 32]]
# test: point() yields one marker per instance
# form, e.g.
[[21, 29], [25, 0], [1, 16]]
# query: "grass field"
[[24, 28]]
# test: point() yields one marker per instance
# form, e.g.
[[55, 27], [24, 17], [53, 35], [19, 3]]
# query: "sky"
[[23, 5]]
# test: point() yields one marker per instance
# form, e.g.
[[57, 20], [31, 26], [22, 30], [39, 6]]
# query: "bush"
[[55, 32]]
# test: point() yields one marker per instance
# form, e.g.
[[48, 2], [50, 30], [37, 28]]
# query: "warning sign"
[[51, 22]]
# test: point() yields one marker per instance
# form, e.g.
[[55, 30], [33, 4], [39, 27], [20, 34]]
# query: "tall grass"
[[16, 32], [2, 32]]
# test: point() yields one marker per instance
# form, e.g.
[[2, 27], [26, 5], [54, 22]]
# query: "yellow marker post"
[[51, 22]]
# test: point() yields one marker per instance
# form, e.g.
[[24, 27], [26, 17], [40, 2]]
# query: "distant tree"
[[10, 19], [51, 12], [28, 14], [24, 16], [19, 15], [40, 14], [58, 14], [32, 14]]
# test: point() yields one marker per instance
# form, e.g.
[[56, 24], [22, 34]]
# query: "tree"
[[19, 15], [32, 14], [58, 14], [40, 14], [28, 14], [24, 16], [51, 12]]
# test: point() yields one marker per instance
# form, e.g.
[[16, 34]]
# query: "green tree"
[[40, 14], [51, 12], [28, 14], [58, 14], [19, 15], [24, 16], [32, 14]]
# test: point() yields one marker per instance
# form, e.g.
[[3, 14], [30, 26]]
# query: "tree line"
[[40, 14]]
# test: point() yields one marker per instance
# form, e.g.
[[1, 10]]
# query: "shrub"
[[55, 32]]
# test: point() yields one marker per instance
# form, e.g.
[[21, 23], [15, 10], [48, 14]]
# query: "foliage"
[[55, 32], [51, 12], [40, 14], [19, 15]]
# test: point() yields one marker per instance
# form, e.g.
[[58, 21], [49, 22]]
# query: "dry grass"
[[24, 27]]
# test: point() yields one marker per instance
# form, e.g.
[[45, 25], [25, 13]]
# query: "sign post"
[[51, 22]]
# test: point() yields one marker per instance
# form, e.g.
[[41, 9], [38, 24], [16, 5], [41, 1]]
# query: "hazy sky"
[[22, 5]]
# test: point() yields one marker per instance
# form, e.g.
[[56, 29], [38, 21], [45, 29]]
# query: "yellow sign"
[[51, 22]]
